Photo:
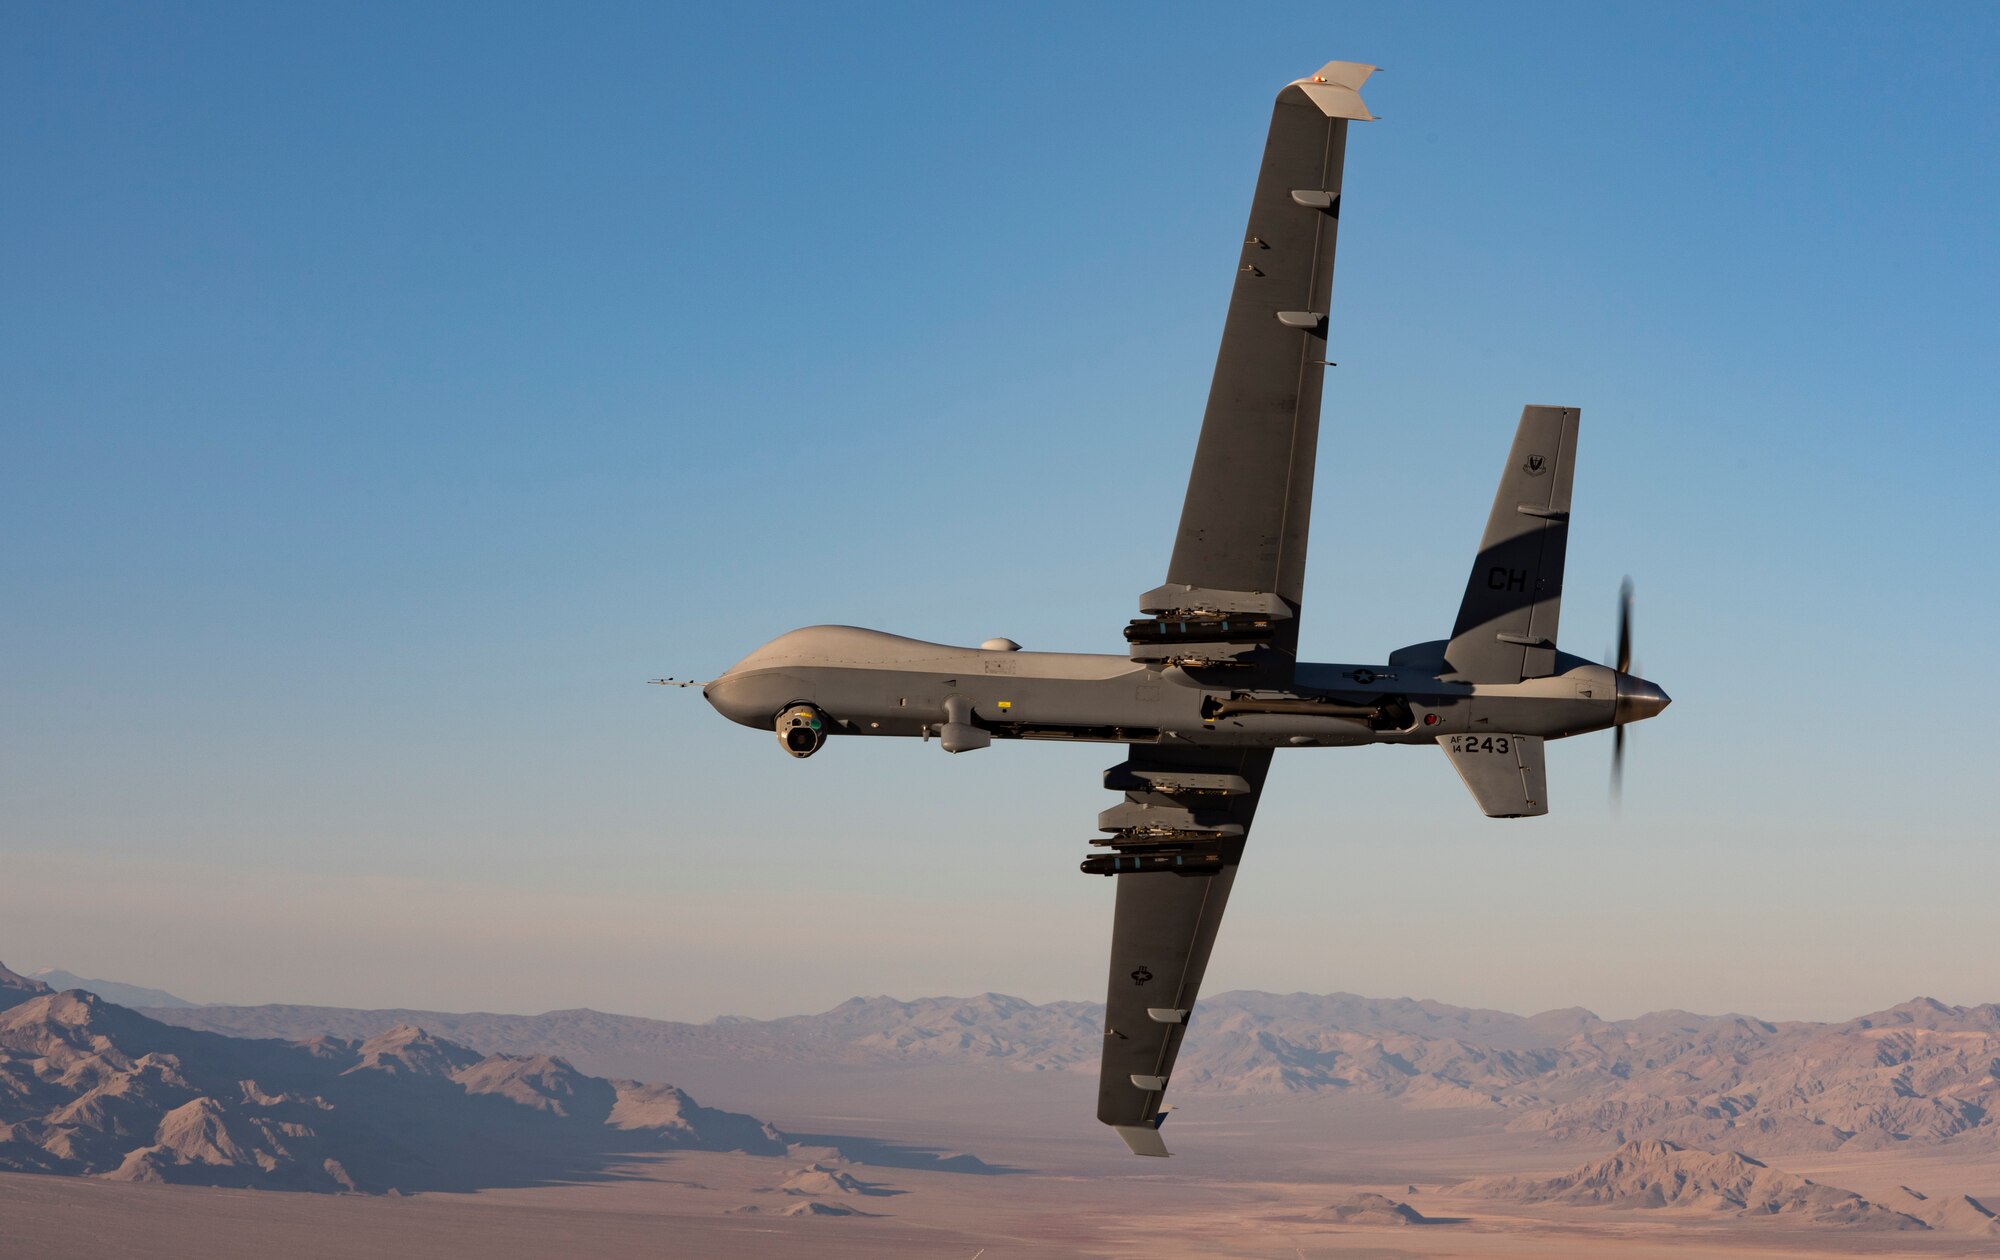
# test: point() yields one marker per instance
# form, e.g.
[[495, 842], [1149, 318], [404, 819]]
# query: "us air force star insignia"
[[1141, 975], [1535, 466]]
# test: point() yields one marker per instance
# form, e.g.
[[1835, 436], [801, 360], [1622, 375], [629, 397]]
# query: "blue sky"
[[384, 395]]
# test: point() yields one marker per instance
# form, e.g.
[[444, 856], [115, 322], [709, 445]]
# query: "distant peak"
[[407, 1047], [15, 980], [403, 1035], [1929, 1004], [133, 995], [1921, 1012]]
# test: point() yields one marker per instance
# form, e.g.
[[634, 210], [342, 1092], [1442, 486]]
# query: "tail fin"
[[1506, 774], [1506, 627]]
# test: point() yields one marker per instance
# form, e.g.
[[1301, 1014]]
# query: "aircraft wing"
[[1242, 542], [1185, 810]]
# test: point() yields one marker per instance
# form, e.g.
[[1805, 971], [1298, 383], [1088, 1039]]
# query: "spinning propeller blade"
[[1624, 666]]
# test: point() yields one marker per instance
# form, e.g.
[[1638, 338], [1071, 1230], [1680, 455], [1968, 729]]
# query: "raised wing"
[[1242, 541], [1176, 842]]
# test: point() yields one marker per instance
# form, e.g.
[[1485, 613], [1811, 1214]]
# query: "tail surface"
[[1506, 629]]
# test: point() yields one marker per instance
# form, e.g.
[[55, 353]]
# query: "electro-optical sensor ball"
[[802, 729]]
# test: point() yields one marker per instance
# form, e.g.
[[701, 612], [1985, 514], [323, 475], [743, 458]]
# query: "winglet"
[[1144, 1139], [1336, 89]]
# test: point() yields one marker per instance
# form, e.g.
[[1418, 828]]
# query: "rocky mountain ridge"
[[1654, 1174], [88, 1087], [134, 995], [1922, 1072]]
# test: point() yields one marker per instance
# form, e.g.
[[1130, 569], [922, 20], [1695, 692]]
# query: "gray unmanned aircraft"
[[1210, 683]]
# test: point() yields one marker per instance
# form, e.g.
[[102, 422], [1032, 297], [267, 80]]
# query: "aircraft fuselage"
[[865, 682]]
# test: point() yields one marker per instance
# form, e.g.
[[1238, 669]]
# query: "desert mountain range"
[[89, 1087], [1657, 1174], [1921, 1073]]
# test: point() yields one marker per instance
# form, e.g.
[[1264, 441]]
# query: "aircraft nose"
[[1638, 699], [731, 699], [752, 697]]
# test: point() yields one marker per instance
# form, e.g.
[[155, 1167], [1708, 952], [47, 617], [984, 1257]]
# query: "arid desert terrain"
[[1306, 1126]]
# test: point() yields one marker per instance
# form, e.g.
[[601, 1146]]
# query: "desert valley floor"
[[1248, 1180]]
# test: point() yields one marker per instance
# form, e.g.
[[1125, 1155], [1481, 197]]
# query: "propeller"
[[1624, 667]]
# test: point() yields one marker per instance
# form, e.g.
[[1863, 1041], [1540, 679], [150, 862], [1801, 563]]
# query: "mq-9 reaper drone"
[[1210, 682]]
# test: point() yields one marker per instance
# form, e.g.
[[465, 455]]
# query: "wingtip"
[[1336, 89], [1143, 1139]]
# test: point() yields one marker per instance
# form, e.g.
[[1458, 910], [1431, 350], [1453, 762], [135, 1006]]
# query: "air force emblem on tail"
[[1536, 466]]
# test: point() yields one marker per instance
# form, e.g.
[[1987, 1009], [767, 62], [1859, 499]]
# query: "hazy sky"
[[385, 395]]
